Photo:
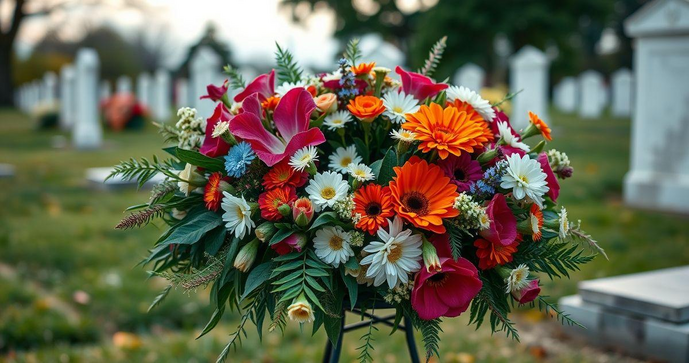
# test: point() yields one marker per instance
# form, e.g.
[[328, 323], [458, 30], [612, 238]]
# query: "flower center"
[[335, 243], [415, 202], [437, 279], [337, 121], [524, 179], [328, 193], [460, 175], [239, 212], [397, 109], [395, 253], [373, 209], [345, 161]]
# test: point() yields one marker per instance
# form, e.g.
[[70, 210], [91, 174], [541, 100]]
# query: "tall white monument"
[[87, 132], [143, 90], [471, 76], [49, 88], [182, 93], [161, 96], [622, 81], [67, 96], [204, 69], [659, 175], [529, 74], [124, 85], [566, 98], [591, 94]]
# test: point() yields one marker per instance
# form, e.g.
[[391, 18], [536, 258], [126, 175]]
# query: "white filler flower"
[[403, 135], [394, 257], [518, 278], [341, 158], [397, 105], [360, 172], [327, 188], [509, 138], [337, 120], [479, 104], [237, 215], [303, 157], [282, 89], [332, 245], [526, 179]]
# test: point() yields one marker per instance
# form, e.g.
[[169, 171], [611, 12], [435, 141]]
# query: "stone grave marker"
[[87, 131], [529, 74], [143, 90], [591, 94], [67, 96], [49, 88], [471, 76], [161, 96], [621, 82], [566, 99], [182, 94], [6, 171], [123, 84], [205, 68], [96, 180], [105, 90]]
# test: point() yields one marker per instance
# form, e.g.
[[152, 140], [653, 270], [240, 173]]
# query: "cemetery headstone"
[[591, 91], [87, 132], [161, 96], [49, 88], [124, 84], [204, 69], [67, 96], [566, 99], [471, 76], [143, 90], [105, 90], [621, 82], [6, 171], [95, 177], [659, 175], [529, 74], [182, 93], [385, 54]]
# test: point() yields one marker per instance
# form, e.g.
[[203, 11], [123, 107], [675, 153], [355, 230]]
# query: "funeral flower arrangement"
[[304, 195]]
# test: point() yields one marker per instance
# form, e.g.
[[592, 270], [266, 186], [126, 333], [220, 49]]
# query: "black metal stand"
[[333, 355]]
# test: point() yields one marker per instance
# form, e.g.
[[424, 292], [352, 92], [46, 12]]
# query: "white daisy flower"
[[403, 135], [341, 158], [282, 89], [564, 223], [518, 279], [394, 257], [325, 189], [337, 120], [332, 245], [526, 179], [332, 76], [220, 128], [237, 215], [301, 159], [479, 104], [397, 105], [360, 172], [509, 138]]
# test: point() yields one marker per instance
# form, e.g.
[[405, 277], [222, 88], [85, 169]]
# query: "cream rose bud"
[[326, 102], [191, 179], [265, 231], [246, 256], [300, 310]]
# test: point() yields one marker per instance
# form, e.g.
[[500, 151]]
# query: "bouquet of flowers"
[[123, 111], [305, 195]]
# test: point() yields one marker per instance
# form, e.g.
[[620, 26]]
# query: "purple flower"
[[462, 171]]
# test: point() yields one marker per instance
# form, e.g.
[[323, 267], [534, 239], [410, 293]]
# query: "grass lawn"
[[69, 281]]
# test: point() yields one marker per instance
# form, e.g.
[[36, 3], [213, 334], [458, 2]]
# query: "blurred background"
[[70, 289]]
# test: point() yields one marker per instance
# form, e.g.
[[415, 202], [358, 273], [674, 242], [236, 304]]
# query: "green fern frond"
[[353, 53], [236, 336], [287, 68], [169, 133], [143, 170], [236, 79], [434, 57], [195, 278], [548, 308]]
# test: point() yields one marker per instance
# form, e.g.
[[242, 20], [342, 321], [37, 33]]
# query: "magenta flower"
[[527, 294], [296, 241], [263, 85], [418, 85], [503, 224], [447, 292], [553, 184], [461, 170], [215, 93], [214, 147], [291, 117]]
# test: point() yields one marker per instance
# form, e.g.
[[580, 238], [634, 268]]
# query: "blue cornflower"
[[240, 156]]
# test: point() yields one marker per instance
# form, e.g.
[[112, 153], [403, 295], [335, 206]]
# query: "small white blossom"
[[360, 172], [303, 157]]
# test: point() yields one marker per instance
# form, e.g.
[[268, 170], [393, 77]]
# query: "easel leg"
[[411, 342]]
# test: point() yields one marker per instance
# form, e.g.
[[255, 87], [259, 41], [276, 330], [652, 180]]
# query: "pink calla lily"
[[418, 85], [291, 117], [263, 85]]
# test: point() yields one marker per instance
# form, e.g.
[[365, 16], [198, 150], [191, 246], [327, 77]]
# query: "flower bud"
[[430, 257], [296, 241], [265, 231], [285, 209], [326, 102], [300, 310], [246, 256], [528, 293], [302, 212]]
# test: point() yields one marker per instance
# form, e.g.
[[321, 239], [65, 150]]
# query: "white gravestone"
[[161, 96], [374, 48], [182, 93], [622, 82], [105, 90], [591, 93], [87, 132], [471, 76], [38, 93], [67, 96], [659, 175], [205, 67], [605, 100], [566, 100], [529, 74], [49, 88], [143, 90], [124, 84]]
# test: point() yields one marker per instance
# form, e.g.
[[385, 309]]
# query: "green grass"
[[57, 238]]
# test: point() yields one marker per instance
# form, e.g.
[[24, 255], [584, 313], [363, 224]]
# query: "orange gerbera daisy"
[[492, 254], [536, 222], [540, 125], [283, 174], [270, 201], [366, 108], [373, 203], [363, 68], [270, 103], [448, 131], [212, 192], [474, 116], [423, 195]]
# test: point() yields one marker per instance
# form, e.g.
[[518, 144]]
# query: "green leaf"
[[287, 69], [362, 149], [192, 229], [325, 218], [215, 239], [375, 167], [352, 287], [352, 263], [163, 294], [217, 314], [200, 160], [333, 326], [280, 235], [387, 167], [257, 277]]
